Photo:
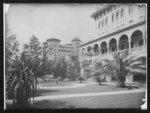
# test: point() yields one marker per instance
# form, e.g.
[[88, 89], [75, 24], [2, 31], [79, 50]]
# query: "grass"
[[85, 89], [60, 83], [133, 100]]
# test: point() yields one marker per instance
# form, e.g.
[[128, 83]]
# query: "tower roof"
[[53, 39], [76, 39]]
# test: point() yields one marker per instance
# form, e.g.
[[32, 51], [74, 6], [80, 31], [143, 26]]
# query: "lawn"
[[85, 89], [133, 100], [60, 83]]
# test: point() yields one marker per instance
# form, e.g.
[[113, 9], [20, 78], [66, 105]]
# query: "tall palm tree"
[[124, 64]]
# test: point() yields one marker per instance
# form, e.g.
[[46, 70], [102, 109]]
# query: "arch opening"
[[89, 50], [137, 39], [113, 45], [123, 42], [103, 47], [96, 49]]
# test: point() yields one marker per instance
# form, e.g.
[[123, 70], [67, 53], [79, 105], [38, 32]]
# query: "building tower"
[[53, 45], [76, 45]]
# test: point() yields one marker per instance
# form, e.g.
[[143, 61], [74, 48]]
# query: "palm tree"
[[124, 64], [98, 70]]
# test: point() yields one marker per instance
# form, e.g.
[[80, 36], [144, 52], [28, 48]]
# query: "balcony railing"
[[109, 54], [138, 48]]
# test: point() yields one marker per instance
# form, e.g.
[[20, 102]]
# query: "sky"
[[61, 21]]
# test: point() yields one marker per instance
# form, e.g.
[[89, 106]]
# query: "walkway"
[[87, 94]]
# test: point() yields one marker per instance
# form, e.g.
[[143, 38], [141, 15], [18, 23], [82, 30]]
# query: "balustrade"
[[109, 54], [138, 48]]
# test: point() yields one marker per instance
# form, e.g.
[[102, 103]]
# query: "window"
[[117, 15], [122, 13], [104, 12], [113, 18], [102, 22], [96, 17], [140, 6], [106, 21], [130, 9], [99, 24], [107, 10], [100, 15]]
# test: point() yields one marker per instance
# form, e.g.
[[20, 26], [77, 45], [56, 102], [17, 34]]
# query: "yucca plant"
[[124, 64], [22, 79]]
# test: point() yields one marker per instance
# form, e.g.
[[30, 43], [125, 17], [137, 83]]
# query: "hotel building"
[[119, 27]]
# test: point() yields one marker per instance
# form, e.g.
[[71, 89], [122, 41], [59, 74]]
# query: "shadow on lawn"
[[132, 87], [45, 104], [43, 91], [128, 87], [102, 84], [50, 104]]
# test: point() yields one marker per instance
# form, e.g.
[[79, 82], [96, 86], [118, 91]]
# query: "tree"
[[33, 47], [99, 70], [88, 70], [73, 67], [22, 79], [60, 69], [124, 64], [11, 50], [86, 63]]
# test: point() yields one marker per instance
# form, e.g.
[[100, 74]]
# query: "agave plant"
[[124, 64], [22, 80]]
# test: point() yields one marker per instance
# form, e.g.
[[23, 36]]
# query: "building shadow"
[[44, 91], [50, 104]]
